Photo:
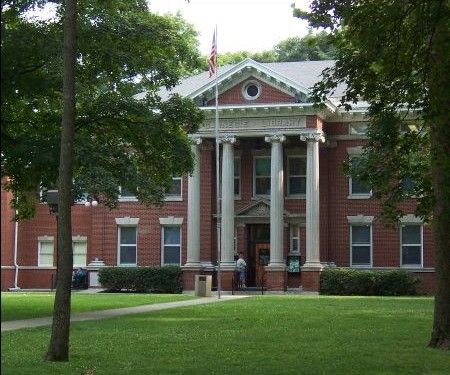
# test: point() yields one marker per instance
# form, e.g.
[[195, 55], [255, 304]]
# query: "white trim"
[[119, 227], [360, 220], [79, 240], [171, 220], [301, 195], [294, 228], [411, 219], [127, 198], [130, 221], [246, 84], [176, 198], [353, 154], [370, 246], [48, 239], [246, 64], [163, 226], [414, 266], [239, 159]]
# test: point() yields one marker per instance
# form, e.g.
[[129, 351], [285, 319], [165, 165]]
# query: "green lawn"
[[34, 305], [259, 335]]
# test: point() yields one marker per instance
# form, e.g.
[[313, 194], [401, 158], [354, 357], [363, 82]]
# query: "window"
[[127, 245], [45, 253], [171, 245], [357, 188], [357, 128], [294, 239], [296, 175], [251, 90], [175, 192], [79, 253], [261, 185], [126, 195], [361, 245], [411, 245], [237, 177]]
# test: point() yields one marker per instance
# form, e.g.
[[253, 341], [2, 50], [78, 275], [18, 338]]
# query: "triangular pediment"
[[246, 70], [260, 208]]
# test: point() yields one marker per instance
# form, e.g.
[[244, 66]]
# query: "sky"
[[242, 25]]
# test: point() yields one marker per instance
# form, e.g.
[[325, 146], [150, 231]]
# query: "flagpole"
[[219, 219]]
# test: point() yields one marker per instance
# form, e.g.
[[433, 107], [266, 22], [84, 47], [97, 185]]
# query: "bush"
[[165, 279], [348, 282]]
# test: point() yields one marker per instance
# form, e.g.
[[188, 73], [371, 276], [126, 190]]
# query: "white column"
[[193, 224], [312, 198], [276, 201], [227, 216]]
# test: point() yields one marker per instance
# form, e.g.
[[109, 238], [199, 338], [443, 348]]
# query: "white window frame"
[[49, 239], [238, 176], [127, 198], [301, 195], [254, 175], [352, 195], [163, 227], [79, 239], [173, 197], [294, 233], [128, 245], [354, 125], [415, 245], [361, 244]]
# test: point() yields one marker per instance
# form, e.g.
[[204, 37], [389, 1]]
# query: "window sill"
[[173, 199], [299, 196], [127, 265], [412, 266], [359, 196], [361, 266], [128, 199]]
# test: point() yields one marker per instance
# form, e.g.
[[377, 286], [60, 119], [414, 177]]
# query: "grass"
[[35, 305], [259, 335]]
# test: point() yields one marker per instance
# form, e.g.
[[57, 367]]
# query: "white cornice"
[[250, 64]]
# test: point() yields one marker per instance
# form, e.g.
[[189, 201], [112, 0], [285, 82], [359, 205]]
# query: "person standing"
[[241, 267]]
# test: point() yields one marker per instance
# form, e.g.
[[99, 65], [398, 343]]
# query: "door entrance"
[[262, 252], [258, 252]]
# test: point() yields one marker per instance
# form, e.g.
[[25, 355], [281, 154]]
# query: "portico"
[[281, 129]]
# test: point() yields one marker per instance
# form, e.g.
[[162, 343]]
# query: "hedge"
[[166, 279], [345, 281]]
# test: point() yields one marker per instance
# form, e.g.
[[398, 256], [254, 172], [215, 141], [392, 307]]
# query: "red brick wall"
[[99, 225], [269, 94]]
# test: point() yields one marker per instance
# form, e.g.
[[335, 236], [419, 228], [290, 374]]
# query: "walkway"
[[106, 314]]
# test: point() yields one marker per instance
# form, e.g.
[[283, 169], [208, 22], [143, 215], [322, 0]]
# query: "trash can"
[[203, 285]]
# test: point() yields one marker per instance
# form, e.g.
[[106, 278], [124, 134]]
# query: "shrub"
[[346, 281], [166, 279]]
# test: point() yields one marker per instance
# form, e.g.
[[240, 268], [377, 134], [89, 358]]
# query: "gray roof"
[[303, 73]]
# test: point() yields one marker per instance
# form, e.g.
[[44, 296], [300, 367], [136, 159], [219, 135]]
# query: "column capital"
[[275, 138], [316, 136], [227, 138], [195, 139]]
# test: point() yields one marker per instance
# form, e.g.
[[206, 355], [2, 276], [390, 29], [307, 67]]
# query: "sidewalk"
[[105, 314]]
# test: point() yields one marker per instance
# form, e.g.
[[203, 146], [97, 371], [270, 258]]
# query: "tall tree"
[[129, 131], [312, 46], [58, 349], [125, 131], [395, 55]]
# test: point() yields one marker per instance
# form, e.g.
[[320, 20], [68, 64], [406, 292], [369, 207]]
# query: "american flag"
[[212, 60]]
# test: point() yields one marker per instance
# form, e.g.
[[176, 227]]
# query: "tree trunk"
[[439, 121], [59, 342]]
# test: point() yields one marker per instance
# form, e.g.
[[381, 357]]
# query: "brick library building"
[[285, 202]]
